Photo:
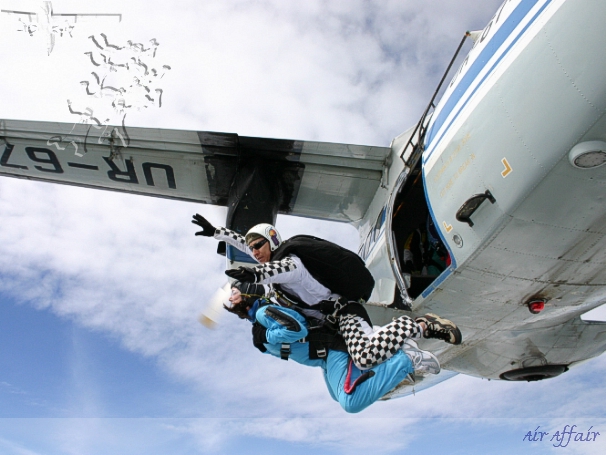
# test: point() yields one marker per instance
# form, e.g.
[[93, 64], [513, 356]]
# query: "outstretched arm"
[[222, 234], [234, 239]]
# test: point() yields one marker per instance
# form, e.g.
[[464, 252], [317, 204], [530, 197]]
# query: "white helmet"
[[266, 231]]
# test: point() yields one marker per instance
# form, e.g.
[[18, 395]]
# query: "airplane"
[[40, 17], [508, 165]]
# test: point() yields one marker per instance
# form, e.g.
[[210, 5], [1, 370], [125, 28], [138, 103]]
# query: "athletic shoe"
[[424, 362], [440, 328]]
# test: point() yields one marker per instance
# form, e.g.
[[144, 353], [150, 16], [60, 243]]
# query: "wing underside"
[[322, 180]]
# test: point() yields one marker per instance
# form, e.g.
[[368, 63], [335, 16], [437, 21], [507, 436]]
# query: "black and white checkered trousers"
[[368, 350]]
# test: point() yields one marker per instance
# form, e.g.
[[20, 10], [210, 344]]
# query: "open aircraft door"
[[398, 209]]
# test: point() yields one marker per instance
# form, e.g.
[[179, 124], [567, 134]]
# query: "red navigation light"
[[536, 306]]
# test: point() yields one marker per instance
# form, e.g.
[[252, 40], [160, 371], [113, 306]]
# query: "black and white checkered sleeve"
[[268, 271], [233, 239]]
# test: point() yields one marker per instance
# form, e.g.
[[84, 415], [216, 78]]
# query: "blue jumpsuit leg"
[[387, 375]]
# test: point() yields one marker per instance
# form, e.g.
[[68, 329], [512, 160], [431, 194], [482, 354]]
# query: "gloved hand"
[[259, 334], [243, 274], [208, 230]]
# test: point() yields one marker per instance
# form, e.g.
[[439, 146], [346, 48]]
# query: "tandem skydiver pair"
[[309, 321]]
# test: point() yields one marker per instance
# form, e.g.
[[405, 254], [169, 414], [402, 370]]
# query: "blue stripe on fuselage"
[[478, 65]]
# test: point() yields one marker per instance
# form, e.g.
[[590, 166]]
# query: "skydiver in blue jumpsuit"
[[277, 329]]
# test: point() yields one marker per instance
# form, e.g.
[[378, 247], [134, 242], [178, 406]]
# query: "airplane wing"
[[84, 17], [28, 20], [322, 180], [33, 8], [30, 15]]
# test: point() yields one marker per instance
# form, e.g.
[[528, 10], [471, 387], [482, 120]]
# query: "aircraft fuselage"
[[529, 92]]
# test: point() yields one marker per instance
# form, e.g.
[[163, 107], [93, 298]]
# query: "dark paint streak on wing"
[[226, 154]]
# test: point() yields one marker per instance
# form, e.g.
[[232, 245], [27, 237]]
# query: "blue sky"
[[100, 348]]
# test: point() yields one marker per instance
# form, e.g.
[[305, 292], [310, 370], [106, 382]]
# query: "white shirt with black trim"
[[289, 272]]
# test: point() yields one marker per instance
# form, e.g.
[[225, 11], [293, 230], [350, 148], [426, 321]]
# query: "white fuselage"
[[530, 90]]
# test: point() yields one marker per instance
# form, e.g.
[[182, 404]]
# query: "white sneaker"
[[424, 362]]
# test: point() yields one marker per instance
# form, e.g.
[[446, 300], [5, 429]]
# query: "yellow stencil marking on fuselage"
[[462, 168], [447, 226], [451, 158], [505, 172]]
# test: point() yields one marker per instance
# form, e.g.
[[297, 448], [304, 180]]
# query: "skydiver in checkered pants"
[[366, 346], [369, 347]]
